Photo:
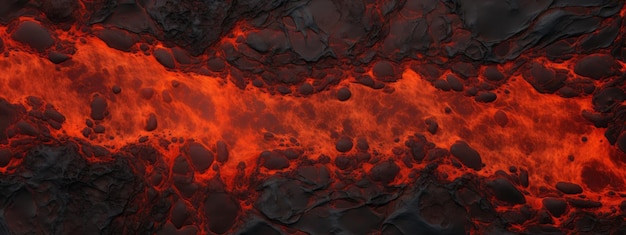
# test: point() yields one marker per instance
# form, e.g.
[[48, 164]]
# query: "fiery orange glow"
[[114, 98]]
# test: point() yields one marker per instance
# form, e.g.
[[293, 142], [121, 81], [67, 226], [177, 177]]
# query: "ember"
[[312, 117]]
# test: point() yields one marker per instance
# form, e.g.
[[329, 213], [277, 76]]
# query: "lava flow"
[[312, 117]]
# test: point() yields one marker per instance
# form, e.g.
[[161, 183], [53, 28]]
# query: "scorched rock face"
[[312, 117]]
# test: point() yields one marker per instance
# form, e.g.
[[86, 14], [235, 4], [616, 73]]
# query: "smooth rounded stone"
[[216, 64], [383, 69], [366, 80], [181, 166], [501, 118], [581, 203], [361, 144], [151, 123], [432, 125], [569, 188], [595, 66], [441, 85], [384, 172], [621, 142], [464, 69], [116, 39], [179, 213], [33, 34], [58, 57], [568, 92], [221, 211], [222, 152], [555, 206], [147, 93], [492, 73], [344, 144], [116, 89], [274, 161], [486, 97], [607, 98], [454, 82], [99, 129], [543, 79], [86, 132], [201, 158], [164, 57], [505, 191], [344, 94], [98, 108], [305, 89], [344, 162], [283, 90], [53, 114], [181, 56], [466, 155], [5, 157]]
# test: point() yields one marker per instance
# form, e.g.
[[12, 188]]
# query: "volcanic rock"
[[58, 57], [467, 155], [555, 206], [274, 161], [505, 191], [98, 108], [454, 82], [5, 157], [164, 57], [221, 211], [493, 74], [343, 94], [569, 188], [33, 34], [486, 97], [344, 144], [117, 39], [595, 66], [151, 123], [200, 157], [116, 89], [384, 172]]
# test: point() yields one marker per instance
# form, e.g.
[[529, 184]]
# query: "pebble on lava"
[[344, 144]]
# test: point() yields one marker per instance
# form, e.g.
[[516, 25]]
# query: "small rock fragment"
[[486, 97], [467, 155], [505, 191], [344, 144], [201, 158], [33, 34], [98, 108], [555, 206], [116, 89], [151, 123], [385, 171], [344, 94], [274, 161], [569, 188], [57, 57], [164, 57]]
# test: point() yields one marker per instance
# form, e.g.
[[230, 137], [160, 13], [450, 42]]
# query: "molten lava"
[[312, 117]]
